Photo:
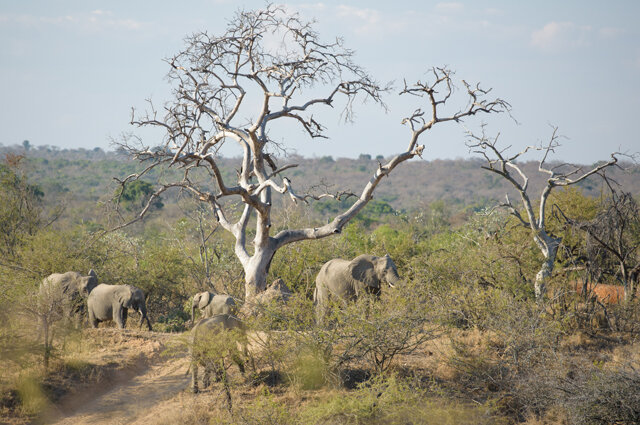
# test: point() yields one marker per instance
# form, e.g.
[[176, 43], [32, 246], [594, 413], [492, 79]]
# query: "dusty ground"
[[141, 378], [132, 400], [138, 376], [144, 380]]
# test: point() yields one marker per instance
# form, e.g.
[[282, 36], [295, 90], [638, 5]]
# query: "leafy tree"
[[20, 206], [136, 195]]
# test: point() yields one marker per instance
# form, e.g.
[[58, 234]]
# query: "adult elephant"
[[208, 349], [111, 302], [211, 304], [347, 280], [69, 290]]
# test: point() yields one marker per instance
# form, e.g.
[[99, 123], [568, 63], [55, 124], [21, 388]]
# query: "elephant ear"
[[124, 295], [205, 298], [361, 270], [92, 281]]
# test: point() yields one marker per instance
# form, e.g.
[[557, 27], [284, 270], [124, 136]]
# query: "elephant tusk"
[[391, 285]]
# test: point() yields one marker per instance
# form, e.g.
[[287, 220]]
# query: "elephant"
[[211, 304], [202, 335], [70, 289], [347, 280], [110, 302]]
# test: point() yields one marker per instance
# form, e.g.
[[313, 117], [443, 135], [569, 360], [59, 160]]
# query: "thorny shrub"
[[370, 331]]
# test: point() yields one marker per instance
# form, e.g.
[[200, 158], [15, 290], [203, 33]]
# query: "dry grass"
[[428, 386], [82, 360]]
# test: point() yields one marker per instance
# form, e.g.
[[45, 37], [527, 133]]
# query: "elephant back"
[[331, 269], [335, 278], [220, 304], [66, 282], [100, 290], [215, 324], [72, 284]]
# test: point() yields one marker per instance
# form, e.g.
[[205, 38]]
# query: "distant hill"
[[86, 176]]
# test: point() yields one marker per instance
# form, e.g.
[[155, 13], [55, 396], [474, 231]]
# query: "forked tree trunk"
[[504, 165], [256, 270], [210, 108], [540, 284], [549, 247]]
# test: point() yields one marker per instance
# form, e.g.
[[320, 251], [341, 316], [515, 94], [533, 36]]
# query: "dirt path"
[[135, 374], [134, 397]]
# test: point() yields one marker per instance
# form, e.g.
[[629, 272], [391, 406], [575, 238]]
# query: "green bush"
[[388, 401], [173, 321]]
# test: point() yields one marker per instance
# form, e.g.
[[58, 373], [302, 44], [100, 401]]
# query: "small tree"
[[20, 206], [135, 196], [615, 233], [235, 88], [559, 176], [45, 307]]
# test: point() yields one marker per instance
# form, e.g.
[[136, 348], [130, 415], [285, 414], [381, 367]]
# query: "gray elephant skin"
[[203, 333], [111, 302], [211, 304], [347, 280], [71, 288]]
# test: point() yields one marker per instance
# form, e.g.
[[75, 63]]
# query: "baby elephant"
[[210, 344], [111, 302], [211, 304]]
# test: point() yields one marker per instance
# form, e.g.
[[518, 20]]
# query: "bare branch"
[[212, 79], [499, 163]]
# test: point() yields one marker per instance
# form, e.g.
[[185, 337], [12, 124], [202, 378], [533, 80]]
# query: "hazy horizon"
[[73, 69]]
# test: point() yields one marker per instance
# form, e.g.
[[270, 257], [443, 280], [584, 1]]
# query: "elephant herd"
[[104, 302], [338, 278]]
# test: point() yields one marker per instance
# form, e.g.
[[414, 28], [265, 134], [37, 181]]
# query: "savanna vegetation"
[[465, 338], [462, 340]]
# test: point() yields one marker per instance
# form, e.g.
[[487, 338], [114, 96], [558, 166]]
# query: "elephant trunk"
[[193, 312], [393, 279], [143, 317]]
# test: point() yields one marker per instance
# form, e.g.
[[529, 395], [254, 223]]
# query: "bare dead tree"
[[271, 60], [506, 166]]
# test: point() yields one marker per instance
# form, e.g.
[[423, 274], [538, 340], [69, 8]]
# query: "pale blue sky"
[[71, 70]]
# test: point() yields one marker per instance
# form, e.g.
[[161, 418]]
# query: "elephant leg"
[[237, 359], [92, 319], [117, 315], [320, 313], [321, 307], [125, 313]]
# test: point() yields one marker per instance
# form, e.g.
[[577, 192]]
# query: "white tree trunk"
[[210, 108], [540, 284], [549, 247], [256, 270]]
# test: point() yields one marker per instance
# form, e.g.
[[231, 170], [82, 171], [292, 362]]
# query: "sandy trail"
[[134, 397]]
